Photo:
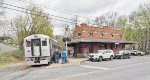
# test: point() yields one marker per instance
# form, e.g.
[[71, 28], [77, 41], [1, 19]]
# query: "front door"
[[90, 48], [106, 54], [36, 47]]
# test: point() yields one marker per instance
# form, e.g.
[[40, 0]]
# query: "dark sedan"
[[123, 54]]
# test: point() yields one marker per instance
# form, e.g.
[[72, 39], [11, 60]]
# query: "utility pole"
[[66, 36], [88, 22], [75, 20]]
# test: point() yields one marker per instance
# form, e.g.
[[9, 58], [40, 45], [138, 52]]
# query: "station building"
[[88, 39]]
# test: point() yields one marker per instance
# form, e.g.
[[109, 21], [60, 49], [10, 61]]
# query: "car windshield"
[[95, 52], [98, 51], [135, 51], [123, 51], [120, 52]]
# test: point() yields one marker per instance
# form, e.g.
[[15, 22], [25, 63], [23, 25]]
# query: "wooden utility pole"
[[66, 35]]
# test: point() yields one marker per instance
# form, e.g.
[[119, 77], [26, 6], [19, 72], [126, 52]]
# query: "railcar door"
[[36, 47]]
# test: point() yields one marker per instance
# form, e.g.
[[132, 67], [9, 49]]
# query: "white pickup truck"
[[100, 55]]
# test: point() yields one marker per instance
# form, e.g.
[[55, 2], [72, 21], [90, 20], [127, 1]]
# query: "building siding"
[[82, 49]]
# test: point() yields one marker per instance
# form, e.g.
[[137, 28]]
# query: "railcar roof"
[[39, 35]]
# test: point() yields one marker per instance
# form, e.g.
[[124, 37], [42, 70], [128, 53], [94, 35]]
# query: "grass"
[[147, 54], [11, 57], [13, 45]]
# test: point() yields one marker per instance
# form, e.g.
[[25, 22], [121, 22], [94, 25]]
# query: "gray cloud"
[[85, 8]]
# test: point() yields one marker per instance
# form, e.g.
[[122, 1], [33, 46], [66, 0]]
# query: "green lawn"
[[13, 45], [11, 57]]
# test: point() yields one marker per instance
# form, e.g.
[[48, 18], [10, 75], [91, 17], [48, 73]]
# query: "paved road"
[[5, 48], [137, 68]]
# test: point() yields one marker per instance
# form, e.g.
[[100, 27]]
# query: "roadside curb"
[[68, 65], [81, 62], [14, 68]]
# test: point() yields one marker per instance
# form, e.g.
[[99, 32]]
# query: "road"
[[136, 68]]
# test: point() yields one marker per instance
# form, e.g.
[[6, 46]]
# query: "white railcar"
[[38, 49]]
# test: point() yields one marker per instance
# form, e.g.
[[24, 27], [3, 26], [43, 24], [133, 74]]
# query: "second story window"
[[120, 36], [101, 34], [111, 34], [79, 34], [91, 34]]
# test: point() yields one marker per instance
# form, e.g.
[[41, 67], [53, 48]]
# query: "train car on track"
[[38, 49]]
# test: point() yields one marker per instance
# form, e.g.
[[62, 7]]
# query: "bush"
[[11, 57], [18, 54]]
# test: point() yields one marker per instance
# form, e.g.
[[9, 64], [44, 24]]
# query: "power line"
[[112, 6], [56, 9], [29, 10], [110, 10], [44, 13], [61, 11], [34, 14]]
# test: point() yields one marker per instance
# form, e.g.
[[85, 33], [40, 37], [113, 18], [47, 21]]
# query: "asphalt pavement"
[[136, 68]]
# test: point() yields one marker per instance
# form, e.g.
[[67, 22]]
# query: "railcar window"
[[36, 42], [28, 44], [44, 43]]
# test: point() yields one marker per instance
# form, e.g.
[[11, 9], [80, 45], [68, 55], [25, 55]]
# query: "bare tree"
[[34, 22]]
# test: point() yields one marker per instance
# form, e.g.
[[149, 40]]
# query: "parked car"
[[123, 54], [100, 55], [137, 53]]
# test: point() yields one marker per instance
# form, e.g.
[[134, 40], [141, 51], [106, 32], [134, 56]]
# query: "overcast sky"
[[84, 8]]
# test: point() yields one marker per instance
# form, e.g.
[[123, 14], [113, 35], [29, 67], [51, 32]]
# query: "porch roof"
[[100, 41]]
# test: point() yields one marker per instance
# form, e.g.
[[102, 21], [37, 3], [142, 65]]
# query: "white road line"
[[94, 67], [76, 75], [132, 65]]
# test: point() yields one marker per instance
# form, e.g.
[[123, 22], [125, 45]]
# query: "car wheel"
[[129, 57], [111, 57], [94, 60], [141, 54], [90, 60], [100, 59], [121, 57]]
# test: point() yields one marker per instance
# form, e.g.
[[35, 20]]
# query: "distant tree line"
[[136, 25]]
